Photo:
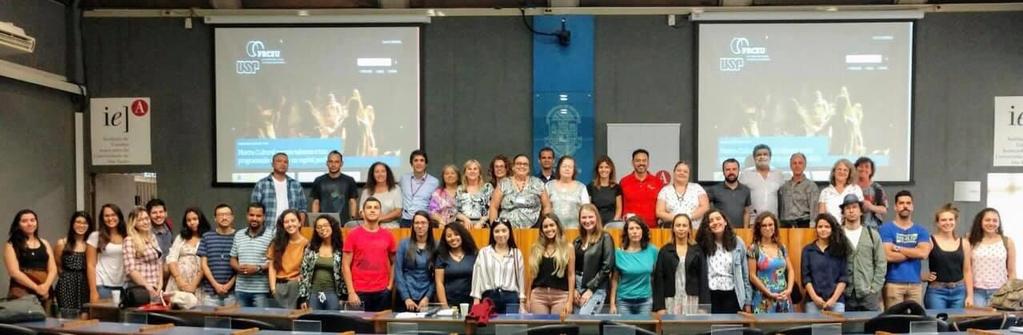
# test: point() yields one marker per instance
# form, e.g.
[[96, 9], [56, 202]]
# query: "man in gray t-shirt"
[[730, 196]]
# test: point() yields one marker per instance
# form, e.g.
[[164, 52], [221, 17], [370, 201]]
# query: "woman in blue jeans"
[[594, 260], [499, 271], [634, 263], [824, 267], [950, 282], [321, 286]]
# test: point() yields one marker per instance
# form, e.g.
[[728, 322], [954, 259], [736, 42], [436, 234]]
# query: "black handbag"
[[135, 296]]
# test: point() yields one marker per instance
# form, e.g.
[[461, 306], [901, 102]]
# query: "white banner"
[[120, 131], [1005, 193], [1008, 131]]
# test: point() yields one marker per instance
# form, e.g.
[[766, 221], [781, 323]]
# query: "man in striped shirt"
[[215, 253], [248, 259]]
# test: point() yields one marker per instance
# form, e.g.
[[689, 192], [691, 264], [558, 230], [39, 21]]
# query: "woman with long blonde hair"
[[595, 257], [142, 262], [553, 265]]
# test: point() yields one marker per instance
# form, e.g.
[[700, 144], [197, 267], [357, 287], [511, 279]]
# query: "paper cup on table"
[[116, 295], [463, 308]]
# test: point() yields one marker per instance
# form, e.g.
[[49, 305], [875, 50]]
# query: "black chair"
[[336, 323], [7, 329], [242, 323], [736, 330], [554, 330], [985, 323], [898, 324], [639, 331], [159, 318]]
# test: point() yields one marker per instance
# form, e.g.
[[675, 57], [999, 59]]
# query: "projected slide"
[[308, 90], [828, 90]]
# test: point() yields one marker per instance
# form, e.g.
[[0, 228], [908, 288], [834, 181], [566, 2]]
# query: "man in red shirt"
[[367, 261], [639, 189]]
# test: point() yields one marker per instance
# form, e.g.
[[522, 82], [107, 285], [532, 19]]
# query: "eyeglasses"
[[521, 164]]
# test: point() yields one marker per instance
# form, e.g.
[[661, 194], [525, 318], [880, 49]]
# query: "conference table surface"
[[282, 317]]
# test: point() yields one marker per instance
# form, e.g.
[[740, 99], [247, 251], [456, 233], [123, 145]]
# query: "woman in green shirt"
[[634, 263], [321, 286]]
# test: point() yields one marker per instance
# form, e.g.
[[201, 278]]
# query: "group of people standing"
[[855, 262]]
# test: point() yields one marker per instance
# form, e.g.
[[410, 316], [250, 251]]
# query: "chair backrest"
[[798, 330], [554, 330], [8, 329], [159, 318], [744, 330], [908, 307], [336, 323], [242, 323], [898, 324], [639, 331]]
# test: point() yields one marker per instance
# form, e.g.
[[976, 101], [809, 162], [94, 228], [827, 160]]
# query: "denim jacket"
[[740, 274]]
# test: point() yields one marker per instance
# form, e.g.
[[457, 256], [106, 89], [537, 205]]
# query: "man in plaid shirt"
[[278, 188]]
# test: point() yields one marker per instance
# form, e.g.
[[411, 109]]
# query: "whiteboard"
[[660, 139]]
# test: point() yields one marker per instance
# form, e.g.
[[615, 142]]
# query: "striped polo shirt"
[[217, 250], [252, 250]]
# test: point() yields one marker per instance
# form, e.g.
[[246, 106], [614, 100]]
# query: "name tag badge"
[[521, 201]]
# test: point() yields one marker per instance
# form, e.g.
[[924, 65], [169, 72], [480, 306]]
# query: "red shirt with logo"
[[639, 197]]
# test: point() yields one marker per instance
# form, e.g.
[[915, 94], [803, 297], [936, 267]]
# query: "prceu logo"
[[258, 55], [563, 130], [740, 47]]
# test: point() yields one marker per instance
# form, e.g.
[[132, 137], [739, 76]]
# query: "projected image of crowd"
[[840, 119], [322, 116]]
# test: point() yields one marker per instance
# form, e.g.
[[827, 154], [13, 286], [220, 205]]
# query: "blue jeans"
[[503, 300], [945, 297], [982, 297], [812, 307], [105, 291], [641, 306], [212, 299], [249, 299], [325, 300], [596, 302], [405, 223]]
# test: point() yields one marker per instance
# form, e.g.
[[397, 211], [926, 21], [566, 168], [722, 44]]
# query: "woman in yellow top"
[[285, 254]]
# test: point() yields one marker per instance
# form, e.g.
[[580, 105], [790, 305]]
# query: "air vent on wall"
[[13, 40]]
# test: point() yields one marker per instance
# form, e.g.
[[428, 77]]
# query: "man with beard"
[[798, 197], [731, 196], [905, 244], [763, 182], [640, 188], [334, 192], [867, 264], [248, 259]]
